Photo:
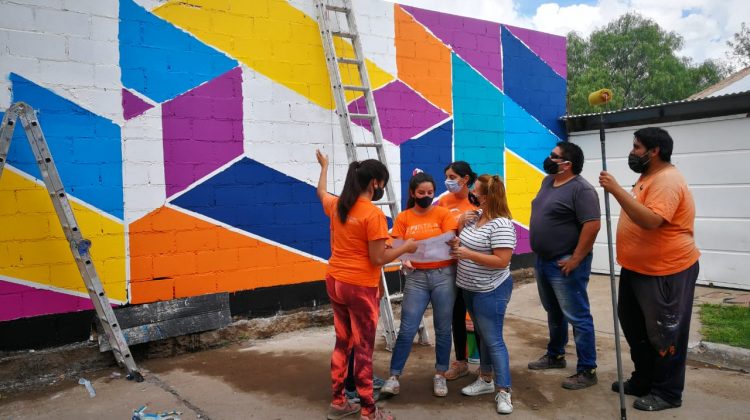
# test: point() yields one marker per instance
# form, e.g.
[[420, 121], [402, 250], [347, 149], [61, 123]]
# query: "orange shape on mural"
[[175, 255], [423, 61]]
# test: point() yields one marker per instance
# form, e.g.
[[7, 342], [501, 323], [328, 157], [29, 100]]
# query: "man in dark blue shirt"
[[565, 219]]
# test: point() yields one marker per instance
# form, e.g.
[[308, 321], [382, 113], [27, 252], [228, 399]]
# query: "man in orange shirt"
[[659, 260]]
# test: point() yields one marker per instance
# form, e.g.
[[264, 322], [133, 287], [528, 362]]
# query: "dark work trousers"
[[459, 328], [349, 384], [655, 312]]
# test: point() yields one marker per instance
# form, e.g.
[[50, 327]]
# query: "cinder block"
[[93, 52], [36, 45], [62, 22], [16, 16], [107, 8], [103, 28]]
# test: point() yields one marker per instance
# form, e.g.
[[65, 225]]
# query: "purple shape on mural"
[[202, 130], [550, 48], [523, 244], [476, 41], [19, 301], [403, 113], [133, 106]]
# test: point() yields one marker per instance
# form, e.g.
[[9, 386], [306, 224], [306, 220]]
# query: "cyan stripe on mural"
[[525, 136], [430, 152], [257, 199], [531, 83], [478, 119], [162, 61], [85, 146]]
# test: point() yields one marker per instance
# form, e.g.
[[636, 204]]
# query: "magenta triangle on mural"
[[474, 40], [132, 105], [550, 48]]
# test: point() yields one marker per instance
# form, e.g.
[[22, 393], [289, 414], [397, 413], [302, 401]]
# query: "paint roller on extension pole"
[[599, 98]]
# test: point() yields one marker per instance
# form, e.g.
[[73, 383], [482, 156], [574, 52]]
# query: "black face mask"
[[423, 202], [377, 194], [638, 164], [473, 199], [551, 167]]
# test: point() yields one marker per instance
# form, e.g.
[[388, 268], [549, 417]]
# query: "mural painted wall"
[[185, 131]]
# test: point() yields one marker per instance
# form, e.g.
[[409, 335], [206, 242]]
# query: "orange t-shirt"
[[455, 205], [350, 253], [670, 248], [410, 225]]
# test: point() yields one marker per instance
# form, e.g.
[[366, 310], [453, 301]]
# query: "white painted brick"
[[107, 76], [93, 52], [104, 102], [156, 175], [104, 29], [62, 22], [141, 200], [16, 16], [35, 45], [143, 151], [108, 8], [135, 174], [66, 73], [52, 4]]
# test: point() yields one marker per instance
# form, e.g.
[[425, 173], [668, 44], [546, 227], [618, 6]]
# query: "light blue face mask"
[[452, 185]]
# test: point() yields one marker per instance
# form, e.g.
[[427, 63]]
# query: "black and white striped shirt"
[[497, 233]]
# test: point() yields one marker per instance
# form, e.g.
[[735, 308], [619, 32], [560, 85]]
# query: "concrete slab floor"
[[287, 377]]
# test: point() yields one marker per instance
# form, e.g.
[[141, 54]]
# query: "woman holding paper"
[[483, 250], [358, 251], [458, 199], [430, 281]]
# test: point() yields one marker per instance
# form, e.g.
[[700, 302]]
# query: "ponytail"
[[492, 187], [358, 177]]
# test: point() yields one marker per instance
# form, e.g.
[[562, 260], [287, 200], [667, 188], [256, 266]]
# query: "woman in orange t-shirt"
[[358, 251], [458, 179], [429, 281]]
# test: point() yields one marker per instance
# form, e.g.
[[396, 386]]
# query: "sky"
[[705, 25]]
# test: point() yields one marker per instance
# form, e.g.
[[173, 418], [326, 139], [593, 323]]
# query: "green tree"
[[740, 46], [635, 58]]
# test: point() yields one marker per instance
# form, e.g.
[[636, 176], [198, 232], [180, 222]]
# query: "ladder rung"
[[393, 264], [362, 116], [336, 8], [349, 61], [367, 145], [357, 88], [384, 203], [342, 34]]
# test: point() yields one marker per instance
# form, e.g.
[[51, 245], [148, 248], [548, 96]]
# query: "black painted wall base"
[[59, 329]]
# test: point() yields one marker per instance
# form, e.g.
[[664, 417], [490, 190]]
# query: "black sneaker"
[[548, 362], [653, 402], [629, 388], [580, 380]]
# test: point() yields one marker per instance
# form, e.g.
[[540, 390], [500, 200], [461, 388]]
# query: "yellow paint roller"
[[600, 97]]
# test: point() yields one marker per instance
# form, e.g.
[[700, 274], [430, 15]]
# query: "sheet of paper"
[[430, 249]]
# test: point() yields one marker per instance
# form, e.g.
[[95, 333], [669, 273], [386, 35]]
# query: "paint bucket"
[[472, 350]]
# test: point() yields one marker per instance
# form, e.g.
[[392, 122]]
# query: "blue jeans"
[[566, 301], [487, 311], [422, 286]]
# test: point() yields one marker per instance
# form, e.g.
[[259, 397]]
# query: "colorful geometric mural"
[[211, 84]]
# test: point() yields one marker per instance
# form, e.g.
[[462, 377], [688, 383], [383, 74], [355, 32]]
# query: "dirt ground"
[[287, 377]]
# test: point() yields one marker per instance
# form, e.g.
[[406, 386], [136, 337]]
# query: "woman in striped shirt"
[[483, 250]]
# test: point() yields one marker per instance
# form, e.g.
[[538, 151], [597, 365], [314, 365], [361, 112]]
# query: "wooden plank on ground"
[[172, 318]]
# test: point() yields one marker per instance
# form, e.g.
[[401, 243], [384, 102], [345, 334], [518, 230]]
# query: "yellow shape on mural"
[[272, 37], [522, 182], [37, 250]]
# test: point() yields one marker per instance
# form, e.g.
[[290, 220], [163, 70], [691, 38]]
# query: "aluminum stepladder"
[[79, 246], [328, 11]]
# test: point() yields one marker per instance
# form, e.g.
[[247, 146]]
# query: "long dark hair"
[[414, 183], [462, 169], [357, 177]]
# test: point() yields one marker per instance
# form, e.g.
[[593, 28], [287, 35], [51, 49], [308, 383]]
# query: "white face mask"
[[452, 185]]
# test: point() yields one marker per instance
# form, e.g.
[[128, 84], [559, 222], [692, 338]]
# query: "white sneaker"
[[479, 387], [391, 386], [439, 386], [504, 406]]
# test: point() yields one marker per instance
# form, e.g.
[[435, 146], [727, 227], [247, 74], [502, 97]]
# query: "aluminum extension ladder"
[[329, 11], [79, 246]]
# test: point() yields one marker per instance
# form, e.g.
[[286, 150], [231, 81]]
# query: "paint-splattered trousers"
[[355, 320], [655, 314]]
